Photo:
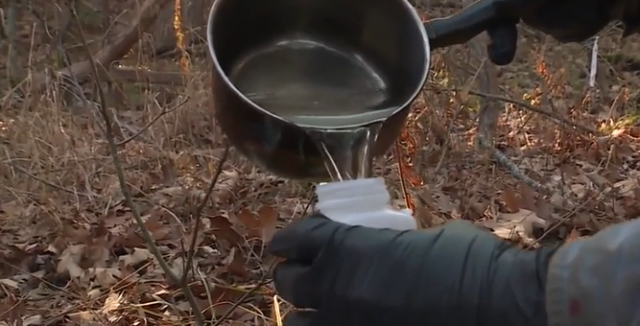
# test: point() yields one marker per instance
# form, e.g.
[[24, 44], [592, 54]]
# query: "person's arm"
[[596, 281]]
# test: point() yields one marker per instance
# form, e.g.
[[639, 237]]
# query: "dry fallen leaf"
[[626, 188], [579, 190], [138, 256], [69, 261], [234, 264], [528, 198], [12, 310], [35, 320], [572, 236], [223, 229], [511, 200], [515, 226], [83, 317], [106, 277], [158, 230], [260, 225]]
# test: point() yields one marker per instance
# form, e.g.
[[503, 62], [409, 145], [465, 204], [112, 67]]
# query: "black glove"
[[456, 275], [503, 45], [572, 20], [565, 20]]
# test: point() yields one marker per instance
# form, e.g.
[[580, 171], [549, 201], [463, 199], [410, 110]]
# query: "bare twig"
[[12, 57], [136, 75], [503, 159], [3, 28], [513, 169], [49, 183], [113, 149], [525, 105], [264, 280], [556, 118], [150, 123], [198, 213]]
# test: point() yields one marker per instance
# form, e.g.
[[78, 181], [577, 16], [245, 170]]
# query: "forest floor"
[[71, 251]]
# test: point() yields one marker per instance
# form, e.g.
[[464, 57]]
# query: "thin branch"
[[150, 123], [49, 183], [557, 118], [513, 169], [198, 213], [113, 149], [263, 281], [527, 106]]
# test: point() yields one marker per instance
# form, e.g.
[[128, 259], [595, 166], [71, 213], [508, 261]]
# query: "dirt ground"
[[71, 252]]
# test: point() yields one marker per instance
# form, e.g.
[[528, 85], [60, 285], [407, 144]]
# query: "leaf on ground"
[[12, 310], [223, 229], [111, 306], [12, 209], [572, 236], [76, 259], [69, 261], [261, 224], [511, 200], [75, 234], [528, 198], [443, 202], [136, 257], [234, 264], [177, 267], [200, 236], [35, 320], [95, 255], [107, 277], [84, 317], [626, 188], [424, 216], [579, 190], [515, 226], [158, 230]]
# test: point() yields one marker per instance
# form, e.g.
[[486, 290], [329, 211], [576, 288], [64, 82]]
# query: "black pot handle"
[[479, 17]]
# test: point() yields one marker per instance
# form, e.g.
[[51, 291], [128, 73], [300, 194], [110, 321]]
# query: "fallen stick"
[[119, 48]]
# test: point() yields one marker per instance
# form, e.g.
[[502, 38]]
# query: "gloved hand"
[[565, 20], [573, 20], [453, 275]]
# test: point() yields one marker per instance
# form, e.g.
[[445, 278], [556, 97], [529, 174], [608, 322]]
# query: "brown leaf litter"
[[72, 253]]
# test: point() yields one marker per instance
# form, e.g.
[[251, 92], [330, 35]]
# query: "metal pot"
[[258, 48]]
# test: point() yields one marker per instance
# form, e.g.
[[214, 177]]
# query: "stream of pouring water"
[[347, 151]]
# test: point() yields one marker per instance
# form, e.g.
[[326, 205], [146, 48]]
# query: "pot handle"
[[471, 21]]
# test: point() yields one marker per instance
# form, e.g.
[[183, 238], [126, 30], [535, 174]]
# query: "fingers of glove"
[[299, 318], [292, 283], [504, 41], [304, 239]]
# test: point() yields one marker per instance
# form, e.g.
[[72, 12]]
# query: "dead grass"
[[72, 254], [59, 191]]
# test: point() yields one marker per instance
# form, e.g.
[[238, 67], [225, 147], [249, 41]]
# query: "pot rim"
[[379, 117]]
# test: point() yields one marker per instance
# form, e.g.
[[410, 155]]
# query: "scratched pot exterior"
[[388, 32]]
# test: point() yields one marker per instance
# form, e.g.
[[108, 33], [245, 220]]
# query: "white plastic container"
[[363, 202]]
